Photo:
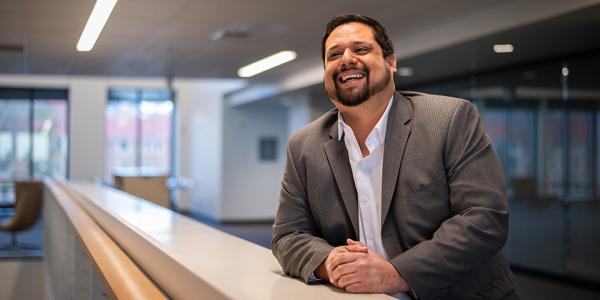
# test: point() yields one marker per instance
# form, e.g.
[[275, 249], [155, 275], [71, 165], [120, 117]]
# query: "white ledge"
[[190, 260]]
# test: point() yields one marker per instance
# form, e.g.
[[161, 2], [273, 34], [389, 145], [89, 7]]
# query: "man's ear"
[[391, 60]]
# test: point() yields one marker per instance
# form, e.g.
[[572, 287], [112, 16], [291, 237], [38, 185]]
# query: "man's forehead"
[[357, 33]]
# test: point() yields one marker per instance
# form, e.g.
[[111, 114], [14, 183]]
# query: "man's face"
[[355, 68]]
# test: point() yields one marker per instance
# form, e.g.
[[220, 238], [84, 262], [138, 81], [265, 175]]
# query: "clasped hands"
[[356, 269]]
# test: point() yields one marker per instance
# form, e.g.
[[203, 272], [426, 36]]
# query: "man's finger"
[[356, 246], [342, 270], [344, 258], [348, 280], [353, 242], [356, 287]]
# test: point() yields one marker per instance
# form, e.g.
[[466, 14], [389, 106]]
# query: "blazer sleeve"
[[478, 223], [295, 243]]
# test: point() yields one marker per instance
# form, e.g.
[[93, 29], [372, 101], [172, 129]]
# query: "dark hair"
[[379, 32]]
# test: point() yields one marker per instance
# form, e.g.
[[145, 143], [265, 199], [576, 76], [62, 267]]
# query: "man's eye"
[[361, 50], [333, 55]]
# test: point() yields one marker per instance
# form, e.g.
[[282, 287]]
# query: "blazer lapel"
[[396, 136], [337, 156]]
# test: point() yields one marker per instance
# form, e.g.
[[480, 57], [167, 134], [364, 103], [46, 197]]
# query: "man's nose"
[[348, 59]]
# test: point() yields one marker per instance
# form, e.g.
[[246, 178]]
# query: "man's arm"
[[478, 228], [295, 244]]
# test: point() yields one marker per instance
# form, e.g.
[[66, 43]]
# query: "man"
[[391, 192]]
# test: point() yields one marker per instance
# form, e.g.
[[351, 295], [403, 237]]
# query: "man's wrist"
[[400, 286], [321, 272]]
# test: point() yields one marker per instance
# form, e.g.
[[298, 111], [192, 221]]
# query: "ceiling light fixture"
[[267, 63], [503, 48], [95, 24]]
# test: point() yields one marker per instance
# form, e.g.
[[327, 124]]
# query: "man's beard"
[[348, 98]]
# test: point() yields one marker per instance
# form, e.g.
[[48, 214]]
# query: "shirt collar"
[[380, 127]]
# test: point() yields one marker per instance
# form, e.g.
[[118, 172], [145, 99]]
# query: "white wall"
[[298, 112], [199, 142], [87, 102], [250, 186]]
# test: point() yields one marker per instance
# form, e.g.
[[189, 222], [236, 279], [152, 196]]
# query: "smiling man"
[[391, 192]]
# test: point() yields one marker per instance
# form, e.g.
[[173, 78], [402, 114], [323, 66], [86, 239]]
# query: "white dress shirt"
[[367, 174]]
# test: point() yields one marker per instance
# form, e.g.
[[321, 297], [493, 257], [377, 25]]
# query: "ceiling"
[[572, 33], [175, 38]]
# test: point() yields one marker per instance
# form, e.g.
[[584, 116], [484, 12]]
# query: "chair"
[[28, 204]]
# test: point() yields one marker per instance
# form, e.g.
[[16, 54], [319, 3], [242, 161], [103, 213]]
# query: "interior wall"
[[298, 112], [250, 186], [22, 279], [199, 142], [87, 103]]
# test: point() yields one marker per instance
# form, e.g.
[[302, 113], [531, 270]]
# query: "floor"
[[32, 238]]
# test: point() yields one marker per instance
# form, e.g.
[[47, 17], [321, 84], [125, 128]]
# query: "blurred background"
[[159, 96]]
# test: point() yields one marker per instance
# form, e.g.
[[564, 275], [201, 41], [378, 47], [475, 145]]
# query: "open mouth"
[[350, 76]]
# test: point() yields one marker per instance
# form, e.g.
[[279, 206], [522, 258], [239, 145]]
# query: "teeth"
[[353, 76]]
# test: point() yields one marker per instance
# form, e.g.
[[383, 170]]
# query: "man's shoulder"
[[433, 100], [431, 107]]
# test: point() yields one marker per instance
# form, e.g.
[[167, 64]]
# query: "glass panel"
[[121, 132], [520, 150], [156, 136], [553, 153], [580, 160], [15, 142], [50, 139], [495, 127]]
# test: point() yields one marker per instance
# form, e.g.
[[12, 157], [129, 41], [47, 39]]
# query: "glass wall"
[[33, 134], [139, 132], [543, 120]]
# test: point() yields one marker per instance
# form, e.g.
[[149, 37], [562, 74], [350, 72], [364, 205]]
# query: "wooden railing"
[[128, 237], [120, 274]]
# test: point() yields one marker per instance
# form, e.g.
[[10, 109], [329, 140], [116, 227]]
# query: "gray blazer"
[[444, 207]]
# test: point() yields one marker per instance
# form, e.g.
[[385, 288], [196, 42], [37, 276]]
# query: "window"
[[33, 133], [139, 132]]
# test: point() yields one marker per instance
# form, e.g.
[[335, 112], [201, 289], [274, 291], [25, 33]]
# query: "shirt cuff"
[[312, 279]]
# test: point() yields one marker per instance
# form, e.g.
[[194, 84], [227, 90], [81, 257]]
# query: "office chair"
[[28, 204]]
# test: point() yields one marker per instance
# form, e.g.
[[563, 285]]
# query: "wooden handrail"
[[124, 279]]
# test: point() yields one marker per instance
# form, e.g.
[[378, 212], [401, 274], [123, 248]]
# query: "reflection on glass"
[[15, 142], [50, 138], [121, 143], [138, 126], [580, 175], [495, 127], [521, 137], [553, 153], [156, 135]]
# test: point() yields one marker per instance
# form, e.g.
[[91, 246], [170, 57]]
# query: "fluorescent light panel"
[[95, 24], [503, 48], [267, 63]]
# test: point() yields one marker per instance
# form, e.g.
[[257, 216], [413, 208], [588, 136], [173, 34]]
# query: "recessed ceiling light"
[[503, 48], [267, 63], [95, 24], [405, 71]]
